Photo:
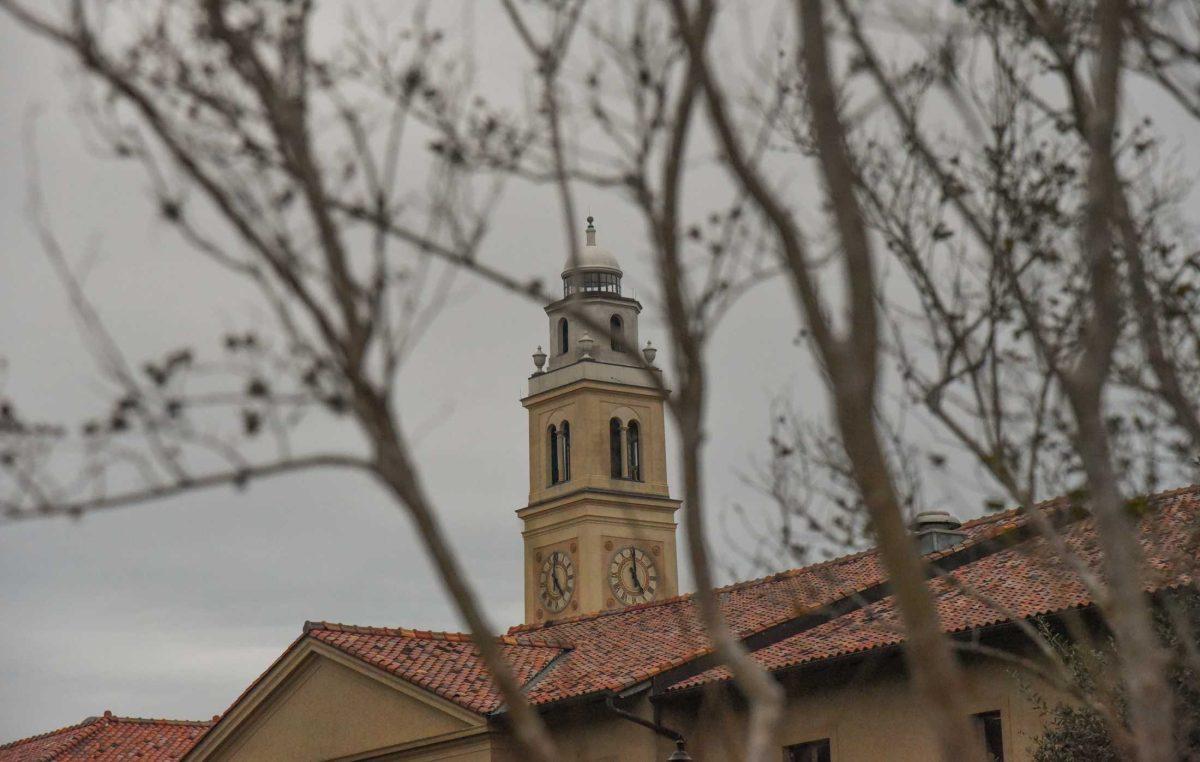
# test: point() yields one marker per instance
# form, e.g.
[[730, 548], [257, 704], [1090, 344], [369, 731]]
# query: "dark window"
[[614, 332], [634, 448], [563, 336], [593, 283], [564, 437], [614, 447], [809, 751], [553, 455], [991, 733]]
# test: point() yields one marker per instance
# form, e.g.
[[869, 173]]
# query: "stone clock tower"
[[599, 528]]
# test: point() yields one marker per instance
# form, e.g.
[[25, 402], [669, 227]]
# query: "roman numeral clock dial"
[[557, 581], [632, 576]]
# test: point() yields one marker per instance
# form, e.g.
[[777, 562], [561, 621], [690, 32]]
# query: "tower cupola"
[[592, 321], [595, 272]]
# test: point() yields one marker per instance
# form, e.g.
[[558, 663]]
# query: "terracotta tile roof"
[[612, 650], [616, 649], [445, 663], [109, 738], [1023, 581]]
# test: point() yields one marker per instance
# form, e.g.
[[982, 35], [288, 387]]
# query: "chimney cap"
[[936, 531], [927, 520]]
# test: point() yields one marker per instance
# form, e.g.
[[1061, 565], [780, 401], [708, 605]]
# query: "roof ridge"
[[1063, 501], [100, 721], [1170, 493], [448, 637], [453, 637], [162, 721], [46, 734]]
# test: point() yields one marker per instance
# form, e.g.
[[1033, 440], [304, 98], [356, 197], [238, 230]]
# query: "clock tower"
[[599, 528]]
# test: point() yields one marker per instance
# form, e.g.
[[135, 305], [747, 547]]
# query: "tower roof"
[[592, 256]]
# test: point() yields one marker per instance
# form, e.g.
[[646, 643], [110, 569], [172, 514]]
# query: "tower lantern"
[[599, 527]]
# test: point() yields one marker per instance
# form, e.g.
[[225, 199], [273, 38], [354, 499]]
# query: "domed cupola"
[[592, 322], [596, 272]]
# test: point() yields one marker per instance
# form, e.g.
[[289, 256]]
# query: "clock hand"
[[554, 579], [633, 573]]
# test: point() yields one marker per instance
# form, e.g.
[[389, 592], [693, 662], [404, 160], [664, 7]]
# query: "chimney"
[[936, 530]]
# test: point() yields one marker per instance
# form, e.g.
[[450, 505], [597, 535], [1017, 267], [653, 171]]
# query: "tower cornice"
[[594, 374], [603, 496], [592, 298]]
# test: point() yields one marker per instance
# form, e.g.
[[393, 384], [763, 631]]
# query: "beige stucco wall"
[[588, 406], [591, 528], [593, 515], [485, 748], [326, 710], [867, 713], [593, 734], [591, 315]]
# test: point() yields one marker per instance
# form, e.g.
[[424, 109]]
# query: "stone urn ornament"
[[586, 342], [649, 352], [539, 359]]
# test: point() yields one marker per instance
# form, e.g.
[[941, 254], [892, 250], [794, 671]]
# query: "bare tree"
[[304, 158], [1033, 292], [1042, 319]]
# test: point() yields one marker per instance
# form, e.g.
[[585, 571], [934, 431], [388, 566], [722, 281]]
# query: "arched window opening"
[[564, 338], [614, 447], [634, 448], [553, 455], [614, 332], [564, 439]]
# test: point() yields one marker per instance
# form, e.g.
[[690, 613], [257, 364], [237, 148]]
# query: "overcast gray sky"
[[172, 609]]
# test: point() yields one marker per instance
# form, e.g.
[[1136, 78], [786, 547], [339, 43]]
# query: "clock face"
[[632, 576], [557, 582]]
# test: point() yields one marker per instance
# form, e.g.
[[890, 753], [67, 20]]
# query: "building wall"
[[591, 529], [593, 515], [325, 710], [592, 733], [591, 315], [867, 711], [588, 405]]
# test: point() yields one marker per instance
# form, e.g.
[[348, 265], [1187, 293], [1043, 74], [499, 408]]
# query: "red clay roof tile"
[[445, 663], [616, 649], [613, 649], [1023, 581], [108, 739]]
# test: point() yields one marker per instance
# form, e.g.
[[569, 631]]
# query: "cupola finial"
[[591, 231]]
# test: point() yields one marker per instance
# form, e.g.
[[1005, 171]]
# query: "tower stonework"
[[599, 528]]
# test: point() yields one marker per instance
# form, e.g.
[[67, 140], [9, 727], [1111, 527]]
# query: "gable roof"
[[447, 664], [108, 738], [1018, 582]]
